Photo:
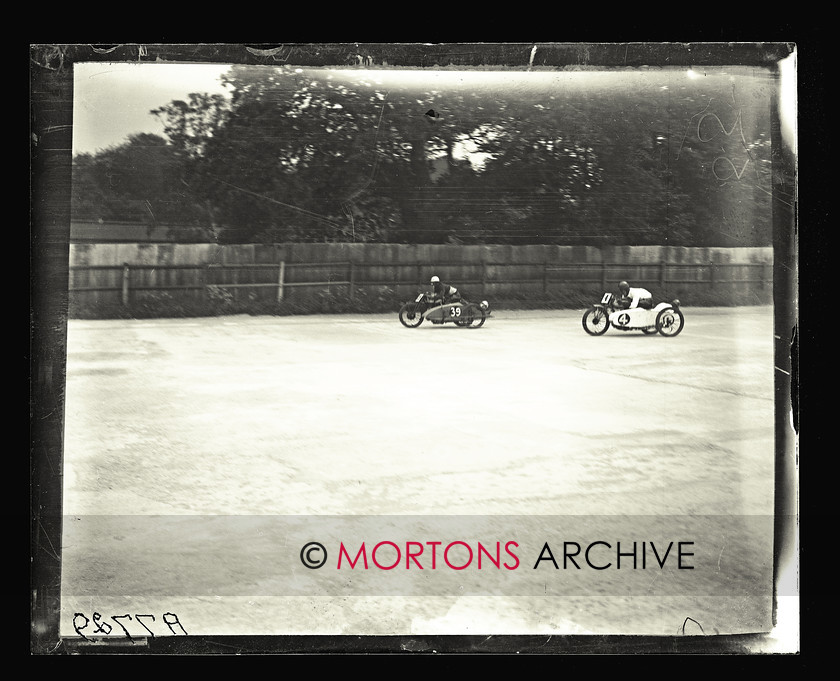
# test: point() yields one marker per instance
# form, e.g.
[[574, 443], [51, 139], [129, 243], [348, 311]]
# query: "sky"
[[112, 100]]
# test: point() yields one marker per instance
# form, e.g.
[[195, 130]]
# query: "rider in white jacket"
[[631, 297]]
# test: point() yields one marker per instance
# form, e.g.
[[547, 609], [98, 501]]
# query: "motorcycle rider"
[[444, 293], [630, 297]]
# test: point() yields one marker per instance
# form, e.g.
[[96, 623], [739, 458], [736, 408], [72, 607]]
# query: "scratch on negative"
[[695, 622], [52, 550], [104, 50]]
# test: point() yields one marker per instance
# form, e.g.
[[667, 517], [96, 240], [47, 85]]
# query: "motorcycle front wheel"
[[595, 321], [410, 316], [670, 321]]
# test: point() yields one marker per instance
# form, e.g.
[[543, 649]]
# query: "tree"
[[138, 181], [597, 158]]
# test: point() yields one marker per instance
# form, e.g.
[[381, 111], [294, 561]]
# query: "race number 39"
[[454, 311]]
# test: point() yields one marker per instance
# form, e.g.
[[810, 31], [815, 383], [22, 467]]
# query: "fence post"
[[662, 279], [281, 276], [545, 277], [235, 290], [603, 276], [126, 276], [352, 280], [712, 275]]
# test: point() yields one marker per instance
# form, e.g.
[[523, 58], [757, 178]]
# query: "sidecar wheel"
[[475, 317], [670, 321], [595, 321], [410, 316]]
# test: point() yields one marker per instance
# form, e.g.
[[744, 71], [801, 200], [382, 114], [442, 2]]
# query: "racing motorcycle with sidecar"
[[664, 318], [460, 312]]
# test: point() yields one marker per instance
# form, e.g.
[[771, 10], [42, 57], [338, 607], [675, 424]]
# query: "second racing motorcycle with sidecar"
[[460, 312]]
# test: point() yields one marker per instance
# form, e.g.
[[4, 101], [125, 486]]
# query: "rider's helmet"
[[624, 288], [435, 280]]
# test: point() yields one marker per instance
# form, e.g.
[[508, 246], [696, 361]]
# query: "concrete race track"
[[200, 455]]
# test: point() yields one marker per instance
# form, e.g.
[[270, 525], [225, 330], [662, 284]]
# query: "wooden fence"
[[93, 285]]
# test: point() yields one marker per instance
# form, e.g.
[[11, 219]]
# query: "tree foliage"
[[452, 157]]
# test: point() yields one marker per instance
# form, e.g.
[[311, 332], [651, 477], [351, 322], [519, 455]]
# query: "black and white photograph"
[[397, 348]]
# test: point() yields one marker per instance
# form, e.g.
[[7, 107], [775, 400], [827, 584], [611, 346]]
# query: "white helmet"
[[435, 280]]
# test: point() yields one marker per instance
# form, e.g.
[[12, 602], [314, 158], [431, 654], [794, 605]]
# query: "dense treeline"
[[608, 158]]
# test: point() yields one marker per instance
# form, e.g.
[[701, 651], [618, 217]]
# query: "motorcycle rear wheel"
[[410, 316], [475, 317], [595, 321], [670, 321]]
